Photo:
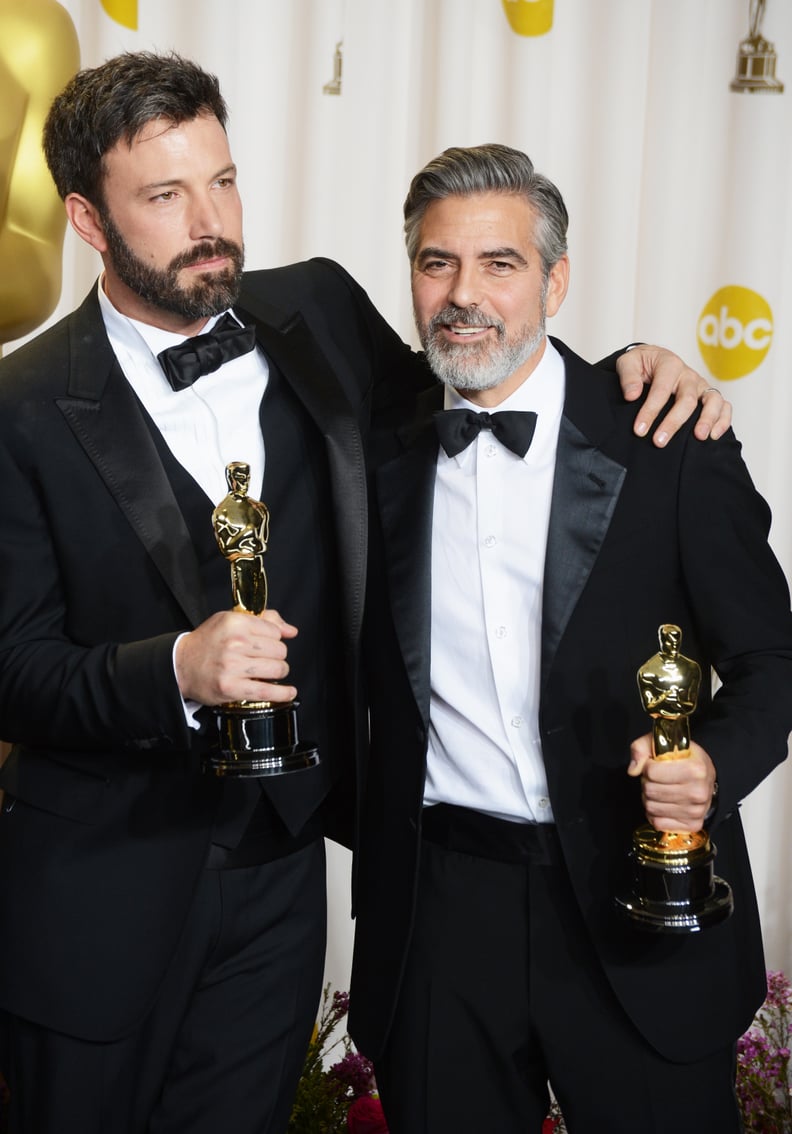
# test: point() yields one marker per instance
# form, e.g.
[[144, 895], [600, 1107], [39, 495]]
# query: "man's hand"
[[235, 657], [669, 375], [676, 794]]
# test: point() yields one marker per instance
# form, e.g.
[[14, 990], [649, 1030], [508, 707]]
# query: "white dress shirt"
[[491, 513], [206, 426], [211, 423]]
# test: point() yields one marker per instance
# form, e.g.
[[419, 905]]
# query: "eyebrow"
[[505, 253]]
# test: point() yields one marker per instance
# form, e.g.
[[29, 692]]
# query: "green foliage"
[[324, 1096]]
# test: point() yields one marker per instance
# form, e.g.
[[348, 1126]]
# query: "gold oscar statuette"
[[674, 886], [256, 738]]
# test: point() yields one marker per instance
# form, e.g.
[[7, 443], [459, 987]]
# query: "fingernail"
[[641, 428], [661, 438]]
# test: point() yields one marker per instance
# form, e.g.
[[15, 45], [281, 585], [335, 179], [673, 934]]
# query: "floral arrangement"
[[554, 1123], [341, 1099], [764, 1074]]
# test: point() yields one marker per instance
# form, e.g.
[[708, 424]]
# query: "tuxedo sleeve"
[[609, 363], [740, 603], [400, 373], [56, 691]]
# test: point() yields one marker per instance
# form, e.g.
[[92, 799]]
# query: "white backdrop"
[[677, 188]]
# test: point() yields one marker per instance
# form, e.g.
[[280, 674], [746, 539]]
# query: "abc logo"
[[735, 330]]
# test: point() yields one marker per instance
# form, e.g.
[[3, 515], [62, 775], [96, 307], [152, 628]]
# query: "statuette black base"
[[260, 740], [674, 891]]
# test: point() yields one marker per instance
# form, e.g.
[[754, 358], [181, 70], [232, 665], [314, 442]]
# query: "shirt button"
[[517, 722], [544, 803], [501, 632], [491, 450], [490, 541]]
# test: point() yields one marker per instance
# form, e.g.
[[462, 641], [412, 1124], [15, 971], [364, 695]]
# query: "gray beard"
[[478, 366]]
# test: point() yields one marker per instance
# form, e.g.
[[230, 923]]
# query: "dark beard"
[[159, 287]]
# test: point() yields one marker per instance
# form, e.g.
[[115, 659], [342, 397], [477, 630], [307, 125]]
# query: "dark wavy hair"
[[103, 105]]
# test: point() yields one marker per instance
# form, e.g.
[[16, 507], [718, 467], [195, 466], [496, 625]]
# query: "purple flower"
[[355, 1072], [763, 1062], [341, 1003]]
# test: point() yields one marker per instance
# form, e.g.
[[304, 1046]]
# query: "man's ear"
[[557, 284], [85, 220]]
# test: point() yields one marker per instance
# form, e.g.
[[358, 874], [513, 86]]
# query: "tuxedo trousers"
[[503, 993], [223, 1046]]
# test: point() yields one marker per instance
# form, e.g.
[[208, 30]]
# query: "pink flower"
[[365, 1116]]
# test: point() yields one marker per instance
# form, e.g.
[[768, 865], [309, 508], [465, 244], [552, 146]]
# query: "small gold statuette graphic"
[[256, 738], [674, 886], [756, 58]]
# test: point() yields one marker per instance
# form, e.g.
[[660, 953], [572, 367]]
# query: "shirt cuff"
[[190, 708]]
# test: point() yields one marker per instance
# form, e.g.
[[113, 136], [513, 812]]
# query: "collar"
[[137, 336], [542, 391]]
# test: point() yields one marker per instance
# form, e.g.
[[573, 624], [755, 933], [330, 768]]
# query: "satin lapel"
[[405, 495], [585, 491], [293, 348], [106, 420]]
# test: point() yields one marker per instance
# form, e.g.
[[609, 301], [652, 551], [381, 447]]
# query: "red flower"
[[365, 1116]]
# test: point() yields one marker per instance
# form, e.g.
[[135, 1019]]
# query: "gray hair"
[[463, 172]]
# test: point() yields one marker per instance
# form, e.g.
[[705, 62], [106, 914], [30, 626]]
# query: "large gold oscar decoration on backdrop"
[[674, 886], [39, 53], [256, 738]]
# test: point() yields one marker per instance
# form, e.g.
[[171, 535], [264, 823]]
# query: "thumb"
[[640, 754]]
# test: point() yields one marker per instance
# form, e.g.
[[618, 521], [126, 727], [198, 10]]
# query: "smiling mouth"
[[466, 329]]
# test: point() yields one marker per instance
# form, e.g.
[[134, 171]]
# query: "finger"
[[680, 774], [688, 798], [684, 406], [634, 368], [645, 364], [274, 618], [688, 815], [266, 691], [253, 682], [716, 415], [672, 823]]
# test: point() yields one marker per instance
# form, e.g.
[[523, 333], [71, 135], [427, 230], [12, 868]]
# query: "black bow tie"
[[513, 428], [204, 354]]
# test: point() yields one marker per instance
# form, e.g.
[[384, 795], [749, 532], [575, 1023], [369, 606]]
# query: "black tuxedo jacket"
[[107, 815], [638, 537]]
